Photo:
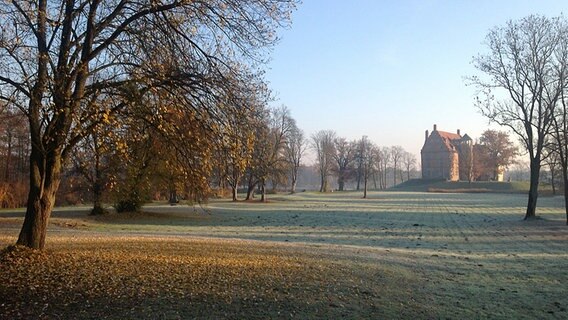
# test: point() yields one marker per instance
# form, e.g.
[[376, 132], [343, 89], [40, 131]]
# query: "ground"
[[394, 255]]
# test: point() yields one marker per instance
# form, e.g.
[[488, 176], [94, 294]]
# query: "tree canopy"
[[69, 66]]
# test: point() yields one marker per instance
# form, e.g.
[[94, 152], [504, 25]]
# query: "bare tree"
[[359, 159], [322, 143], [409, 163], [528, 74], [344, 156], [281, 126], [376, 174], [397, 153], [268, 152], [560, 148], [57, 58], [295, 148], [383, 162], [552, 161], [369, 152]]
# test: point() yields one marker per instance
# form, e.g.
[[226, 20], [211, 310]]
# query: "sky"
[[389, 69]]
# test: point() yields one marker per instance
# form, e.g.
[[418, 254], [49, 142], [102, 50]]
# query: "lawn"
[[394, 255]]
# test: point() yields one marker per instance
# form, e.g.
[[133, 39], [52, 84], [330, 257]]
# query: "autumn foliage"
[[68, 69]]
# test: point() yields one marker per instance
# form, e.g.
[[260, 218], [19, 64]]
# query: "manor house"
[[446, 155]]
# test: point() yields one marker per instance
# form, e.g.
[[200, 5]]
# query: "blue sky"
[[388, 69]]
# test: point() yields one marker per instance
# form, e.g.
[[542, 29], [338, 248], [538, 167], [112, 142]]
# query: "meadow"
[[308, 255]]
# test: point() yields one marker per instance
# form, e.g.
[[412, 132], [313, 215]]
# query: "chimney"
[[426, 135], [435, 126], [459, 132]]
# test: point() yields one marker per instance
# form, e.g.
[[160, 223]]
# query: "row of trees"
[[133, 159], [524, 86], [137, 162], [360, 161], [14, 153], [270, 150]]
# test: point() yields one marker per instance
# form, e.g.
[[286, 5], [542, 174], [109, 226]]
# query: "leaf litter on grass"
[[130, 277], [475, 258]]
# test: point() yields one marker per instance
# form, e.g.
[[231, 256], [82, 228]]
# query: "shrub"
[[129, 196], [128, 205], [97, 211]]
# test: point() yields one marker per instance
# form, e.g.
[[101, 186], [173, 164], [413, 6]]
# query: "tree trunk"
[[341, 181], [564, 168], [262, 191], [250, 190], [365, 187], [234, 182], [173, 196], [533, 190], [394, 176], [294, 182], [45, 167], [97, 185], [97, 198], [234, 192], [566, 199], [375, 180], [565, 176], [44, 181], [552, 182]]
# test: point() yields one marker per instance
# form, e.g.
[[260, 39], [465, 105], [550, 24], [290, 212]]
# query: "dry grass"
[[396, 255]]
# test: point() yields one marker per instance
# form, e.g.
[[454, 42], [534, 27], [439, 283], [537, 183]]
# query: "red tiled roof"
[[447, 139], [448, 135]]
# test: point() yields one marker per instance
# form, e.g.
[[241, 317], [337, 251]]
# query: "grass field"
[[394, 255], [437, 185]]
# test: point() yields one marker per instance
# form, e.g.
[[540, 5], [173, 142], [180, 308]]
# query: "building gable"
[[440, 155]]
